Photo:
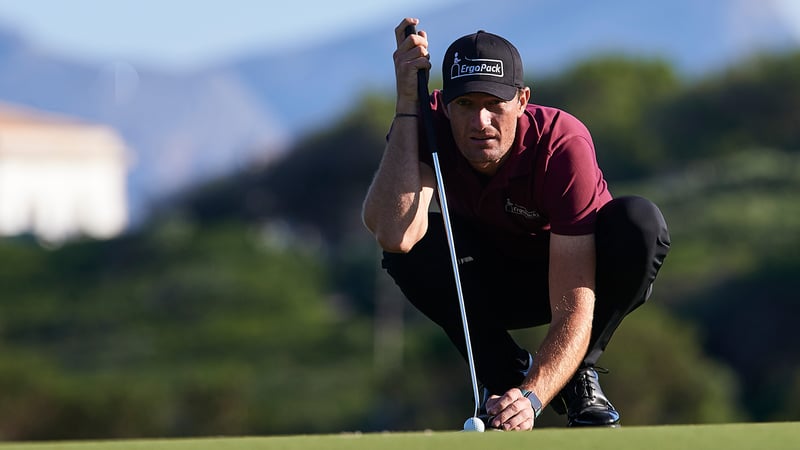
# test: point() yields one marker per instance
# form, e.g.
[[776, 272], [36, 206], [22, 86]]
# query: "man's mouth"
[[483, 138]]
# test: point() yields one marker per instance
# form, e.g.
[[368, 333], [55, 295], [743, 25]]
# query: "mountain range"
[[182, 128]]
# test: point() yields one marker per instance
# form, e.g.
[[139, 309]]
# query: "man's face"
[[484, 127]]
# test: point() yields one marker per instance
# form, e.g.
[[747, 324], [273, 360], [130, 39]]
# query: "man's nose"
[[481, 118]]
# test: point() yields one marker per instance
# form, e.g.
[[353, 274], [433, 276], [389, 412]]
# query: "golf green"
[[773, 436]]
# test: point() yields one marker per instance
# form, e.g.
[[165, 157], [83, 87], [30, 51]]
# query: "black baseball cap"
[[481, 62]]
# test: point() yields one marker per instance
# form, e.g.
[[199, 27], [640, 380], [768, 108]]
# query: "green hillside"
[[255, 305]]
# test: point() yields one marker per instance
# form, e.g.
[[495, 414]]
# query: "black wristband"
[[405, 115]]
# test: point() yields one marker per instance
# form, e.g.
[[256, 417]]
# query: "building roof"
[[17, 115], [28, 132]]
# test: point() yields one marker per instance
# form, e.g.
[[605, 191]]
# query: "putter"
[[473, 423]]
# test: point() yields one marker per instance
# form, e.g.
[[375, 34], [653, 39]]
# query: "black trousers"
[[503, 293]]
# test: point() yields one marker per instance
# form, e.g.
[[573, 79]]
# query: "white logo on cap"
[[471, 67]]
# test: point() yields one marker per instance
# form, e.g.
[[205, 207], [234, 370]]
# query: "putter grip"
[[422, 75], [424, 99]]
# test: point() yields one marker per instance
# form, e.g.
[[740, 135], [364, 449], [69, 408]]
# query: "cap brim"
[[501, 91]]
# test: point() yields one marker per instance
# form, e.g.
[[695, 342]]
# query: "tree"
[[750, 105], [616, 97]]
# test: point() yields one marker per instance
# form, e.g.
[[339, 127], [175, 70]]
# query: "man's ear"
[[446, 110], [523, 97]]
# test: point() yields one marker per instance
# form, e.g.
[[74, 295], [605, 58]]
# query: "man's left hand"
[[511, 411]]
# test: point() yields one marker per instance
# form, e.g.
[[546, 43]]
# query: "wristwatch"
[[535, 402]]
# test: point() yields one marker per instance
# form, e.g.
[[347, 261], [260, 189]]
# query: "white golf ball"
[[474, 424]]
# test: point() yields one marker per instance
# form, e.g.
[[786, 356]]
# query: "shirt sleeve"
[[574, 188]]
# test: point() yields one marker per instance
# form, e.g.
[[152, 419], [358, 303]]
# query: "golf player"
[[540, 241]]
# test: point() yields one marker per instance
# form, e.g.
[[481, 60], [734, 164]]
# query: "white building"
[[60, 177]]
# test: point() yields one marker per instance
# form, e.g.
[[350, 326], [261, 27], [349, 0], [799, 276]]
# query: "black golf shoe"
[[584, 402]]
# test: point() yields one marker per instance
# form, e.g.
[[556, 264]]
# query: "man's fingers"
[[414, 46], [410, 57], [511, 411], [412, 51], [417, 42], [400, 31], [518, 424], [496, 404], [514, 418], [507, 414]]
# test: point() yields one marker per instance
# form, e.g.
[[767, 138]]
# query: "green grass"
[[773, 436]]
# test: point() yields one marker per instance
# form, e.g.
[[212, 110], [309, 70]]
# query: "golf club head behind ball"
[[474, 424]]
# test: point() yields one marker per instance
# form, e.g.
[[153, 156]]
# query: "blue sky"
[[182, 34], [186, 34]]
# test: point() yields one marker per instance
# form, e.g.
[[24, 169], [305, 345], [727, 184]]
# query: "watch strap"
[[536, 404]]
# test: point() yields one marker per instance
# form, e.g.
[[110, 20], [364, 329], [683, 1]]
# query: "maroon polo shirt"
[[550, 182]]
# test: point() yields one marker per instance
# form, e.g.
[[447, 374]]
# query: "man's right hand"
[[397, 202], [411, 56]]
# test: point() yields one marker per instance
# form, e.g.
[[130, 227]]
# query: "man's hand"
[[511, 411], [411, 56]]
